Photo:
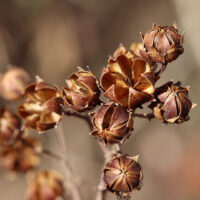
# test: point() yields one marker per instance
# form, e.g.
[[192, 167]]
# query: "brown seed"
[[10, 125], [46, 185], [111, 124], [82, 92], [172, 103], [123, 174], [42, 107], [12, 83], [163, 43]]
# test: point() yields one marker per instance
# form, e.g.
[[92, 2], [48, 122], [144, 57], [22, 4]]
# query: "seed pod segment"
[[123, 174]]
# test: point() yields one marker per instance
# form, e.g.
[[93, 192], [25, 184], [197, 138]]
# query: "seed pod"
[[10, 125], [123, 174], [111, 124], [46, 185], [82, 92], [172, 103], [12, 83], [128, 81], [42, 107], [22, 156], [163, 43]]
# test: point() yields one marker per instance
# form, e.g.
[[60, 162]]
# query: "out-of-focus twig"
[[148, 116]]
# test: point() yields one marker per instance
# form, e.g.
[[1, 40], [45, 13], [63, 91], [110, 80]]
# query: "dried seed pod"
[[163, 43], [123, 174], [111, 124], [82, 92], [172, 103], [46, 185], [128, 80], [22, 156], [12, 83], [42, 107], [10, 125]]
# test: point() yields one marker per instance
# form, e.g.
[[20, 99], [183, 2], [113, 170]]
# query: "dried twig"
[[148, 116]]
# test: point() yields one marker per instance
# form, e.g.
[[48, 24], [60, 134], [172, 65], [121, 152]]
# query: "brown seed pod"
[[22, 156], [123, 174], [46, 185], [172, 103], [12, 83], [42, 107], [111, 124], [128, 80], [82, 92], [10, 125], [163, 43]]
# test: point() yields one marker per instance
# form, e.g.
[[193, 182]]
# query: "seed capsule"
[[111, 124], [123, 174], [42, 107], [46, 185], [163, 43], [10, 125], [12, 83], [172, 103], [82, 92]]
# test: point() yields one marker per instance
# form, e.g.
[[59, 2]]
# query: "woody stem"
[[67, 168], [162, 69]]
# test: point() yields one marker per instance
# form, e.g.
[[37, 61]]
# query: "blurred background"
[[51, 38]]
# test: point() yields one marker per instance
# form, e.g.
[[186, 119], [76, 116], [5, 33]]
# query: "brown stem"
[[121, 197], [68, 170], [148, 116], [162, 69]]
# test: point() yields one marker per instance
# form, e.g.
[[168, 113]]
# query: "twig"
[[148, 116], [68, 170]]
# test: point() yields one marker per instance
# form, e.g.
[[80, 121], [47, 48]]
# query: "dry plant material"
[[10, 125], [111, 124], [46, 185], [12, 83], [42, 107], [22, 156], [82, 92], [123, 174], [172, 103]]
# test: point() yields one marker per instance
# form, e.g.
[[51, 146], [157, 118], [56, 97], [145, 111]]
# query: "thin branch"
[[148, 116]]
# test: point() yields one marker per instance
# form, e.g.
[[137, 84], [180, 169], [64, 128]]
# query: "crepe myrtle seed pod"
[[172, 103], [82, 92], [22, 156], [111, 124], [128, 81], [42, 107], [45, 185], [123, 174], [12, 83], [163, 43], [10, 126]]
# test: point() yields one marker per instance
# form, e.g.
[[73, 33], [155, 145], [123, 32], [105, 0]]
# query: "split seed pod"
[[12, 83], [163, 43], [128, 80], [111, 124], [22, 156], [82, 92], [123, 174], [172, 103], [10, 125], [42, 107], [46, 185]]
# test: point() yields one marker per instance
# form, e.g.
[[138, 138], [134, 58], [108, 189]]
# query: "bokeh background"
[[51, 38]]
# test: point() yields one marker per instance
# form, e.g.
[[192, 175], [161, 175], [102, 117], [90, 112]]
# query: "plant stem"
[[148, 116]]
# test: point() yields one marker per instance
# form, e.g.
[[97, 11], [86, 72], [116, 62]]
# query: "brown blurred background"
[[51, 38]]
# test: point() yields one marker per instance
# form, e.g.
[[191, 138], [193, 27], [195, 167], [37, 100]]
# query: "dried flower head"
[[10, 125], [82, 92], [172, 103], [23, 155], [46, 185], [12, 83], [111, 124], [42, 107], [128, 80], [163, 43], [123, 174]]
